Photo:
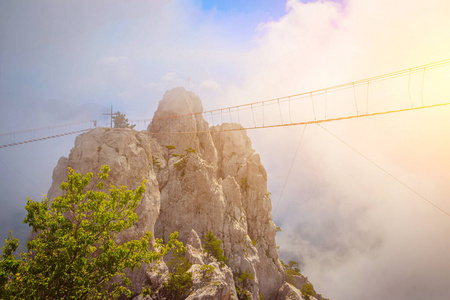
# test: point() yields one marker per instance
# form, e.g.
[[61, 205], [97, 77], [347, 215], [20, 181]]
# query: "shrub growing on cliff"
[[180, 279], [211, 245], [243, 284], [291, 270], [74, 254], [120, 121], [308, 291], [206, 271]]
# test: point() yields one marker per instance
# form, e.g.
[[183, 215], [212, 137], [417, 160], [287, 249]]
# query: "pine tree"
[[120, 121], [212, 246]]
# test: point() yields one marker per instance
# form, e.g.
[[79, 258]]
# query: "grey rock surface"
[[196, 183], [289, 292]]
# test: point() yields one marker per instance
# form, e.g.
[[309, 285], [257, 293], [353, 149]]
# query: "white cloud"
[[210, 85], [169, 76], [350, 224]]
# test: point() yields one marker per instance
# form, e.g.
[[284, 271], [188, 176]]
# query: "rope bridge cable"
[[312, 121], [289, 172], [261, 105], [50, 127], [45, 138], [386, 172], [50, 133]]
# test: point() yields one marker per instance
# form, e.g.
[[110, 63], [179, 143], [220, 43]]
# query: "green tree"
[[243, 284], [120, 121], [180, 280], [294, 266], [308, 291], [212, 246], [74, 254], [291, 270]]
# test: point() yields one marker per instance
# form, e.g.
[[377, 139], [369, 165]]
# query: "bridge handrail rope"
[[316, 121], [262, 104], [48, 127], [325, 91], [50, 135], [44, 138]]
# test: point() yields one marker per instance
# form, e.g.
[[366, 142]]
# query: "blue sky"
[[267, 9], [63, 61]]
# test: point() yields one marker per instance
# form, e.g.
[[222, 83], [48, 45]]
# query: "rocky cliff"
[[197, 182]]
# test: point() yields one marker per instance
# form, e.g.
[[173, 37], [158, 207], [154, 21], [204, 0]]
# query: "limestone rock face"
[[196, 183], [289, 292], [211, 280], [229, 198], [239, 161], [218, 284], [188, 106], [128, 155]]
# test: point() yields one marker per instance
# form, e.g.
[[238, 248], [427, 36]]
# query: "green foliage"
[[293, 265], [190, 150], [307, 291], [206, 271], [74, 254], [254, 242], [179, 263], [120, 121], [244, 184], [156, 162], [245, 277], [243, 284], [180, 280], [291, 270], [170, 152], [278, 228], [212, 247], [243, 294], [323, 298], [178, 286], [9, 266], [181, 165], [146, 291]]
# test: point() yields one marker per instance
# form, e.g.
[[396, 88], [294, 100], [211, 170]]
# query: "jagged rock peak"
[[178, 101], [196, 183]]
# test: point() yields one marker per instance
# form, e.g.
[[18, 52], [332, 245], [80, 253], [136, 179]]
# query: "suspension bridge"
[[357, 99], [410, 89], [46, 133]]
